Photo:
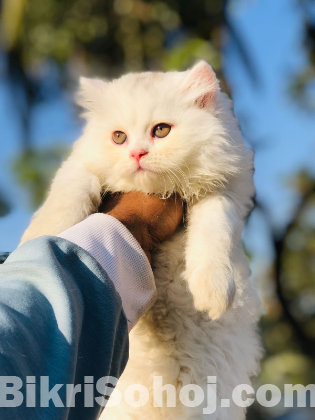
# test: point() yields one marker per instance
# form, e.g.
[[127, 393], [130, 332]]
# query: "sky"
[[272, 31], [285, 133], [281, 131]]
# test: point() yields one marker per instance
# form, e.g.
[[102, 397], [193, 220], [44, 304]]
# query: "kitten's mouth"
[[142, 169]]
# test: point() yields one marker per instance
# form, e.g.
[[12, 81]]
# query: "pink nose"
[[138, 154]]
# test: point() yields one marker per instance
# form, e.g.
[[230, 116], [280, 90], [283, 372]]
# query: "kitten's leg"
[[74, 194], [214, 226]]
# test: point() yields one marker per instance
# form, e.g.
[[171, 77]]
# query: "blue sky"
[[272, 31], [283, 131]]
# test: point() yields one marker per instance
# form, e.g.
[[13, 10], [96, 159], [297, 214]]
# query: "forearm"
[[65, 300], [121, 256], [61, 314]]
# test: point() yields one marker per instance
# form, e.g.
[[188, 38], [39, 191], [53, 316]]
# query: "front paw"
[[213, 290]]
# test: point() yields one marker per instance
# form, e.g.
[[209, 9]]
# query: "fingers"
[[150, 218], [110, 201]]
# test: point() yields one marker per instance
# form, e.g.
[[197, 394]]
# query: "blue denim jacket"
[[61, 318]]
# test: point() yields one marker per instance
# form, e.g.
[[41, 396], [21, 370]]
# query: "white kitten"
[[159, 133]]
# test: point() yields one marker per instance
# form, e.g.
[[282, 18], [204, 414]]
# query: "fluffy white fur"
[[204, 321]]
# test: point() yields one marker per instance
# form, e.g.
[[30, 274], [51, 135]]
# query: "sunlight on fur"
[[204, 320]]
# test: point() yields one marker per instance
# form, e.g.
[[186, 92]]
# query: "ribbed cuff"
[[119, 253]]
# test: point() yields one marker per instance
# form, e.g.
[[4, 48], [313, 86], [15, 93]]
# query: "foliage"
[[3, 257], [288, 326], [4, 206], [131, 34], [34, 170], [303, 85]]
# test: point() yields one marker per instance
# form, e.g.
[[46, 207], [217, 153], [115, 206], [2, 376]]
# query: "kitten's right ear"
[[201, 84], [90, 93]]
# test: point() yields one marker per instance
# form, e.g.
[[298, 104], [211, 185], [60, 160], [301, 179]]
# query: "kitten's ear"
[[201, 85], [90, 92]]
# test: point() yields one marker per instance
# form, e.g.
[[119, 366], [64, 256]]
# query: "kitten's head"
[[159, 132]]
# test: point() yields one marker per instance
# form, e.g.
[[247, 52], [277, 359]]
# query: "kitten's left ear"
[[201, 84], [90, 93]]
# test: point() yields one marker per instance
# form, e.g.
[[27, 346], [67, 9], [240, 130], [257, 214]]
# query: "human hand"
[[150, 219]]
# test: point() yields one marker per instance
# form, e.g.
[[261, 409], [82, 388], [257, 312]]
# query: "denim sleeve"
[[61, 322]]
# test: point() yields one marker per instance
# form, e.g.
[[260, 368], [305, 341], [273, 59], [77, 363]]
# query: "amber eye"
[[161, 130], [119, 137]]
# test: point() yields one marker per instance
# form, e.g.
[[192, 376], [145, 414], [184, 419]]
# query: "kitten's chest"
[[174, 303], [168, 268], [169, 259]]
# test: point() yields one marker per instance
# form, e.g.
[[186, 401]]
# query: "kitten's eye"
[[161, 130], [119, 137]]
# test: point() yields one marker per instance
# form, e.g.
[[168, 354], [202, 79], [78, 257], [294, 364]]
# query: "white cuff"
[[119, 253]]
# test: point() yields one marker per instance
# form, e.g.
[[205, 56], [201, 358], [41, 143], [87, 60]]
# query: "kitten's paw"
[[213, 290]]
